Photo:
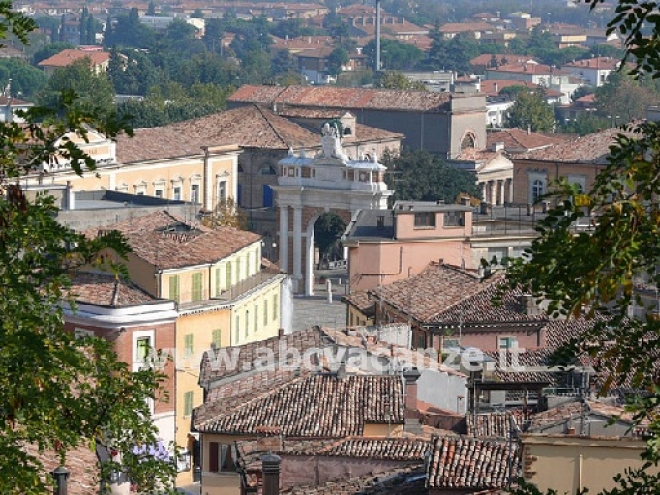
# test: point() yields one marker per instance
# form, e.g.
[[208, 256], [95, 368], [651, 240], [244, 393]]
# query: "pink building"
[[389, 245]]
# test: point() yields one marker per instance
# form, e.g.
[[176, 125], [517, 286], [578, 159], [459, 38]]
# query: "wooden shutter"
[[214, 465]]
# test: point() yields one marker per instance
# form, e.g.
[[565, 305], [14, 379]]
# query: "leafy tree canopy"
[[26, 81], [420, 175], [50, 50], [531, 110], [397, 80], [394, 55], [56, 392]]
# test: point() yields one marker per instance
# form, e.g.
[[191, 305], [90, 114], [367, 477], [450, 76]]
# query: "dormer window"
[[348, 131]]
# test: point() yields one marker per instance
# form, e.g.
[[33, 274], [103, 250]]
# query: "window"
[[194, 194], [497, 253], [221, 457], [454, 219], [505, 343], [159, 193], [228, 274], [218, 282], [275, 306], [421, 341], [238, 326], [143, 344], [222, 191], [176, 193], [265, 312], [247, 322], [81, 333], [216, 338], [537, 190], [425, 219], [188, 404], [197, 291], [174, 287], [188, 345]]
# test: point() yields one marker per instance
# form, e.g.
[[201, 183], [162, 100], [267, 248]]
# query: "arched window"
[[347, 131], [468, 141], [268, 170]]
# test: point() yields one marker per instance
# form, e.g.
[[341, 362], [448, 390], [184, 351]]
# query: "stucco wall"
[[442, 390]]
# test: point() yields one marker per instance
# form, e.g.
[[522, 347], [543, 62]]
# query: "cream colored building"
[[224, 296], [570, 463], [155, 162]]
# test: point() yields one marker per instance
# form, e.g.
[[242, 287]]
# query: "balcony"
[[234, 292]]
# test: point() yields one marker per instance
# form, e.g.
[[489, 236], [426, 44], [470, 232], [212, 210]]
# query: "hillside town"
[[317, 254]]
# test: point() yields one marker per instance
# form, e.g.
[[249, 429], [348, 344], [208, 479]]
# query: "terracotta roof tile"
[[70, 55], [495, 424], [213, 369], [103, 289], [82, 464], [432, 291], [592, 148], [167, 242], [250, 126], [518, 141], [319, 406], [470, 463], [400, 481], [331, 96]]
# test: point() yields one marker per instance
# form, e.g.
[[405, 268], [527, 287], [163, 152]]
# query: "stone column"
[[501, 201], [510, 182], [493, 192], [297, 243], [484, 191], [284, 239]]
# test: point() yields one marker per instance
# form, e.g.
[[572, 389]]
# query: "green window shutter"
[[187, 403], [216, 338], [189, 344], [174, 287], [197, 292], [275, 301], [265, 312], [218, 282], [228, 268]]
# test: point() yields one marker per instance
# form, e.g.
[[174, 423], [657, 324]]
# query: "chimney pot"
[[270, 468]]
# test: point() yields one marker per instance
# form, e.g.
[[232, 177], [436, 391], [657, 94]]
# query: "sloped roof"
[[103, 289], [592, 148], [466, 27], [71, 55], [167, 241], [517, 140], [213, 369], [319, 406], [470, 463], [432, 291], [250, 126], [332, 96]]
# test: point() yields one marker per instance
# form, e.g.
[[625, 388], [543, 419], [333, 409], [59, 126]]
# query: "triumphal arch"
[[308, 187]]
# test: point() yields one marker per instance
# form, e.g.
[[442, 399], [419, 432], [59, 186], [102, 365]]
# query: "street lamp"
[[60, 474]]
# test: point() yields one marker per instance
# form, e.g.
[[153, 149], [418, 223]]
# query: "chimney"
[[498, 146], [270, 468], [69, 202], [410, 377]]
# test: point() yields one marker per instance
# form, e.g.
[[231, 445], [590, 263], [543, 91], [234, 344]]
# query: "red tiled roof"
[[592, 148], [470, 463], [331, 96], [106, 290], [432, 291], [359, 300], [213, 369], [82, 464], [70, 55], [466, 27], [495, 424], [601, 63], [318, 406], [250, 126], [151, 239], [518, 140], [399, 481]]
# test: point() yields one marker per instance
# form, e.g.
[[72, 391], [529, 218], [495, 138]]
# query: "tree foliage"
[[94, 90], [398, 80], [420, 175], [626, 97], [328, 229], [394, 55], [56, 392], [26, 81], [532, 111], [600, 271]]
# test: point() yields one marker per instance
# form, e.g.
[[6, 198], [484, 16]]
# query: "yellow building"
[[224, 296], [155, 162]]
